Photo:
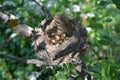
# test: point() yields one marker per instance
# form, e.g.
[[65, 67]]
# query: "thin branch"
[[36, 62], [4, 18], [18, 59], [23, 29], [6, 42], [42, 8], [23, 61]]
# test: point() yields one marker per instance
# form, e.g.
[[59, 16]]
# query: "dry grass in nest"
[[59, 30]]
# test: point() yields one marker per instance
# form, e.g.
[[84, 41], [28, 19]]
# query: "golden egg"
[[57, 38]]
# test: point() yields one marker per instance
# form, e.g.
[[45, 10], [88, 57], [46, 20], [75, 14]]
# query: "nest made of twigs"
[[60, 40]]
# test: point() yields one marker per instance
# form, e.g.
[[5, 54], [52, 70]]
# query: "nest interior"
[[60, 40]]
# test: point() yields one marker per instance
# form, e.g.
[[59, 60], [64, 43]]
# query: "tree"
[[101, 18]]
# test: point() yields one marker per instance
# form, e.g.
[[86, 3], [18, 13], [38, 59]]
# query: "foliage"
[[100, 17]]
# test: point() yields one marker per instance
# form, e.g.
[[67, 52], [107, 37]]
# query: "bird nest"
[[60, 40]]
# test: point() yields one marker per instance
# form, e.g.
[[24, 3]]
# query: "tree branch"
[[18, 59], [6, 42], [22, 29], [23, 61], [42, 8], [4, 18]]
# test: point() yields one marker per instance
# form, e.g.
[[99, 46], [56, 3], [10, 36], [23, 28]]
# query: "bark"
[[4, 18]]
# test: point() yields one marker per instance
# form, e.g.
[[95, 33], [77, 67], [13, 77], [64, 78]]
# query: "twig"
[[36, 62], [42, 8], [18, 59], [23, 61], [5, 43], [23, 29], [4, 18]]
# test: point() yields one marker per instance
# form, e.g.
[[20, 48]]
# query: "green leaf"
[[60, 76], [108, 19], [117, 3], [79, 78], [113, 72], [9, 4], [96, 25], [0, 75], [103, 2]]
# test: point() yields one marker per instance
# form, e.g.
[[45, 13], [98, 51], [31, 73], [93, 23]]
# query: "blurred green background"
[[100, 17]]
